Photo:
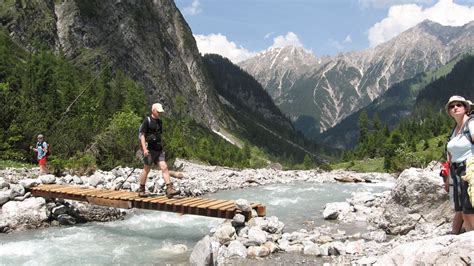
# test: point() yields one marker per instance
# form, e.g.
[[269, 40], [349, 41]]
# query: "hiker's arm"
[[446, 179], [143, 143], [143, 129]]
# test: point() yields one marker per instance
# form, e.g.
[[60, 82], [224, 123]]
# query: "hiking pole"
[[123, 182], [137, 155]]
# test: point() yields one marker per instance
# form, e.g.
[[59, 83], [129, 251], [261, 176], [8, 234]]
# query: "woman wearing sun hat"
[[460, 147]]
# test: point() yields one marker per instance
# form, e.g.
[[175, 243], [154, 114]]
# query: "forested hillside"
[[89, 118]]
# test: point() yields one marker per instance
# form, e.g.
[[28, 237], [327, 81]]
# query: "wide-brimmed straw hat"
[[456, 98], [472, 105]]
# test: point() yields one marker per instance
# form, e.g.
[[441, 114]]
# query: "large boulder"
[[4, 197], [30, 182], [47, 179], [334, 210], [202, 253], [443, 250], [30, 213], [417, 197]]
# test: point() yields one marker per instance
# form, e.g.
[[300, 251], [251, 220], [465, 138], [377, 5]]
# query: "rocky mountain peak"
[[333, 88]]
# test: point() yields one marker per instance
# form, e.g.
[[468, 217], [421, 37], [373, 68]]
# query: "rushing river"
[[150, 237]]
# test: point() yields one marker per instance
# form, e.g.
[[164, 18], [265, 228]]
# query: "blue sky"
[[239, 29]]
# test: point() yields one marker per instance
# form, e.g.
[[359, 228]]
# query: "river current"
[[151, 237]]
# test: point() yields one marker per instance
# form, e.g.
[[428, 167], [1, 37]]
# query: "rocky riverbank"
[[414, 214], [408, 225], [21, 211]]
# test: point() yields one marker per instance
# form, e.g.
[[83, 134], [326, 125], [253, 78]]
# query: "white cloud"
[[285, 40], [268, 35], [348, 39], [193, 9], [403, 17], [218, 44]]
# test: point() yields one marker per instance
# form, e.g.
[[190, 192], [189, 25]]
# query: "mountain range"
[[317, 94]]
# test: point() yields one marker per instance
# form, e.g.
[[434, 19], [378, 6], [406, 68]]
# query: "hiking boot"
[[170, 191], [141, 192]]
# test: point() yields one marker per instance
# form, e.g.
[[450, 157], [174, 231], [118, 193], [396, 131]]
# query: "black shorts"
[[461, 197], [154, 157]]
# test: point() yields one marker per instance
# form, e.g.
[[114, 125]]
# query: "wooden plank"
[[186, 207], [115, 194], [185, 204], [221, 212], [180, 205], [110, 203], [224, 206], [219, 205], [159, 203], [69, 190], [196, 207], [64, 190], [86, 192], [196, 202], [153, 203], [212, 209], [107, 193], [214, 202], [130, 196], [176, 206], [126, 196], [48, 186], [187, 200], [261, 210], [96, 192]]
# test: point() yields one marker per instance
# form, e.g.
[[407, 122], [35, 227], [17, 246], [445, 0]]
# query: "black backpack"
[[157, 136], [140, 128]]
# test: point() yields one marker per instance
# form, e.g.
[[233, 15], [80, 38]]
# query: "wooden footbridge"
[[127, 200]]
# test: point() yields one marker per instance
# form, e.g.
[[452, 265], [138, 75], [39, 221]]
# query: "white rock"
[[257, 235], [312, 250], [294, 248], [334, 209], [443, 250], [16, 191], [272, 247], [30, 182], [47, 179], [243, 205], [202, 254], [236, 250], [96, 179], [225, 233], [355, 247], [31, 211], [258, 251], [4, 197]]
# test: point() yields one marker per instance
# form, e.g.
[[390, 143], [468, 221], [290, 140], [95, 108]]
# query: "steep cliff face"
[[149, 40], [30, 23]]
